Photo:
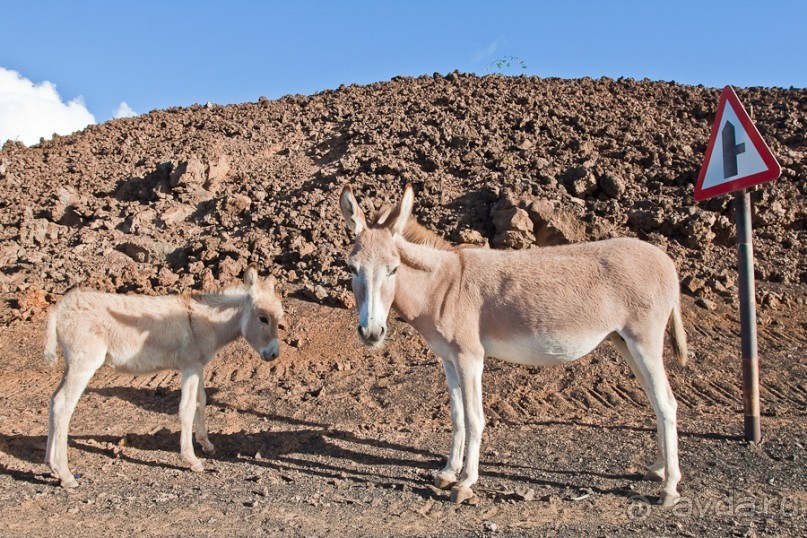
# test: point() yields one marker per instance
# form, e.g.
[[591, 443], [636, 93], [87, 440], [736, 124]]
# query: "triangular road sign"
[[736, 156]]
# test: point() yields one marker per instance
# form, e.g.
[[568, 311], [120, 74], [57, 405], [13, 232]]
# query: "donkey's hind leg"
[[50, 448], [199, 419], [79, 369], [646, 361], [655, 471], [187, 414]]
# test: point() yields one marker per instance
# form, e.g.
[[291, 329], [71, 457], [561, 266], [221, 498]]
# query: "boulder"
[[555, 226]]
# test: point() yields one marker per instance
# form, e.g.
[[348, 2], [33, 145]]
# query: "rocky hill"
[[187, 197]]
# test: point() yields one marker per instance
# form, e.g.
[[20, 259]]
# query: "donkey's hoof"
[[654, 475], [69, 483], [670, 499], [444, 480], [197, 467], [461, 494], [209, 449]]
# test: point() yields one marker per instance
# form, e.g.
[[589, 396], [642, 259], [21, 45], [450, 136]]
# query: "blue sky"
[[156, 54]]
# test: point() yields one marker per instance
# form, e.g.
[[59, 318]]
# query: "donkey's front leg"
[[469, 369], [187, 411], [447, 476]]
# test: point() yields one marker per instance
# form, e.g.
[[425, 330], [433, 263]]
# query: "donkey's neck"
[[218, 315], [424, 279]]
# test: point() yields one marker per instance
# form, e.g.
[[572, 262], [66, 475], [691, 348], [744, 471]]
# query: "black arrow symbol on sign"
[[730, 151]]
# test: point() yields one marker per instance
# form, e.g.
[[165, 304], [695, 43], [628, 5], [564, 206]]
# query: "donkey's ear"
[[354, 217], [269, 284], [382, 215], [251, 278], [397, 220]]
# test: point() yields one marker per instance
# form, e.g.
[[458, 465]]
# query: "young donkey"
[[542, 306], [140, 334]]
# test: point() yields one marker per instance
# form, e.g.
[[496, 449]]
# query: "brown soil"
[[335, 438]]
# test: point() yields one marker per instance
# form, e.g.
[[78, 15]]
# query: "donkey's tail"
[[51, 339], [679, 337]]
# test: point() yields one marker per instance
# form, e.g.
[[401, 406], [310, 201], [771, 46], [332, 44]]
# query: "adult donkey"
[[537, 307]]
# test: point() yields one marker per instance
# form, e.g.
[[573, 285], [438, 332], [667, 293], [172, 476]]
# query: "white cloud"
[[29, 111], [486, 53], [124, 111]]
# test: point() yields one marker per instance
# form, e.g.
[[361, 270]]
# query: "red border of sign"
[[773, 172]]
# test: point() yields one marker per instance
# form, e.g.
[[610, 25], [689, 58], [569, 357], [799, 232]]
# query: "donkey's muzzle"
[[371, 337], [272, 352]]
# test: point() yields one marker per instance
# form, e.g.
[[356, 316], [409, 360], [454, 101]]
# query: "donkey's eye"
[[393, 270], [264, 320], [352, 268]]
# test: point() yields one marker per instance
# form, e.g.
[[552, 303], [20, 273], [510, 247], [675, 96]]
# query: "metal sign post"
[[748, 316], [745, 161]]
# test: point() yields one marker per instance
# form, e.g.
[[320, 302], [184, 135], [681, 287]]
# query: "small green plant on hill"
[[508, 63]]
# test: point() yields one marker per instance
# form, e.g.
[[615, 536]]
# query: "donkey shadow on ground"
[[307, 447]]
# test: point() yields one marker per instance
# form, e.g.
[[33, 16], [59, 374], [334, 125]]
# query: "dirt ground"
[[334, 439]]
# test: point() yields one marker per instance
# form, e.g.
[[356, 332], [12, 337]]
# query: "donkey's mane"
[[220, 298], [414, 232]]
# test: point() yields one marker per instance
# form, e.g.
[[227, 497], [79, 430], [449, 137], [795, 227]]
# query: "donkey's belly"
[[136, 361], [542, 350]]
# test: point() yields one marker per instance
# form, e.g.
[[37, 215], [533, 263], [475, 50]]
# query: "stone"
[[524, 493], [512, 219], [514, 228], [62, 211], [555, 226], [191, 172], [176, 214], [512, 239], [138, 253], [647, 220], [10, 253], [306, 249], [611, 185], [580, 181], [141, 221], [146, 250], [32, 301], [38, 231], [525, 145], [346, 299], [320, 293], [692, 284], [217, 173], [696, 230], [166, 277], [472, 237], [230, 268], [239, 203]]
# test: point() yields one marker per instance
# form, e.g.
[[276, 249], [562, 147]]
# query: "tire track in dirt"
[[708, 395], [778, 336], [783, 392], [730, 392]]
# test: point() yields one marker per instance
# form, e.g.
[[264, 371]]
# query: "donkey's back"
[[137, 333]]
